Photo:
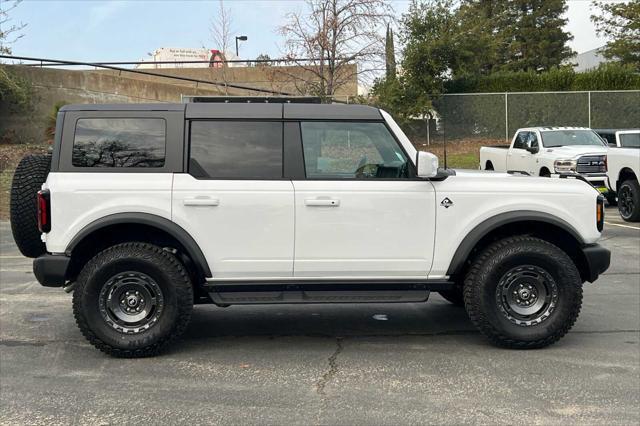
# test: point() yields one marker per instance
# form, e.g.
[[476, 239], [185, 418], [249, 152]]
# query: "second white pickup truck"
[[623, 171], [543, 151]]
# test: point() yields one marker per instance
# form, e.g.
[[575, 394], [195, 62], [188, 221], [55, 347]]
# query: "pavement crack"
[[332, 368]]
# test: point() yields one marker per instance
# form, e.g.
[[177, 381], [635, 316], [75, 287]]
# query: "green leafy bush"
[[15, 91]]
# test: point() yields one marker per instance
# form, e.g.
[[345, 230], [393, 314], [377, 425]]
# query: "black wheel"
[[629, 200], [611, 198], [489, 166], [454, 295], [544, 172], [132, 299], [28, 178], [523, 292]]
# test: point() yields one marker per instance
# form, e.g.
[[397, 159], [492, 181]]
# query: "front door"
[[234, 201], [520, 159], [360, 212]]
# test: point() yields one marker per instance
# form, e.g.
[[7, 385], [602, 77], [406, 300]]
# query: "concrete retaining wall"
[[51, 85]]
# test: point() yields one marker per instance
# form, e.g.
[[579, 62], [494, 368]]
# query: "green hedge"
[[610, 76]]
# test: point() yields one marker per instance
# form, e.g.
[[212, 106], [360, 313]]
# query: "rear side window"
[[236, 150], [630, 140], [119, 142]]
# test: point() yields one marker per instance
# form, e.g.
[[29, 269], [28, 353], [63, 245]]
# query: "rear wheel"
[[629, 200], [133, 299], [523, 292], [489, 166], [28, 178]]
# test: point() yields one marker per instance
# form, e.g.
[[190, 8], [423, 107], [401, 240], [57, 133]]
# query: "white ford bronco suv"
[[147, 209]]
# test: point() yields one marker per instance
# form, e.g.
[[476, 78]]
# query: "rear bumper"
[[51, 269], [598, 259]]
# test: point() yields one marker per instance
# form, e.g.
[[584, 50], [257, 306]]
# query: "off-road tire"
[[455, 295], [164, 268], [489, 268], [28, 178], [633, 188]]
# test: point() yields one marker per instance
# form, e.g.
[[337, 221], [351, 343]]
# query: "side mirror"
[[426, 164], [532, 149]]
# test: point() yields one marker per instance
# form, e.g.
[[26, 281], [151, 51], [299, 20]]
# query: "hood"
[[575, 151]]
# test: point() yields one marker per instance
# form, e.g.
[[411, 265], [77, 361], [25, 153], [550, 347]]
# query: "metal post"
[[589, 97], [428, 130], [506, 117]]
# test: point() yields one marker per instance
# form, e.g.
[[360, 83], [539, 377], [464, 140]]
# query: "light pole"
[[241, 38]]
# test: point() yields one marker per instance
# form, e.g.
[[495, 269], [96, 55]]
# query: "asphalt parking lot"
[[325, 364]]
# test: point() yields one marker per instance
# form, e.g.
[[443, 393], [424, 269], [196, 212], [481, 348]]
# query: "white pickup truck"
[[543, 151], [620, 138], [623, 171]]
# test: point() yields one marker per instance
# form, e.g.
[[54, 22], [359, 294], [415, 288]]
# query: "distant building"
[[175, 54], [587, 60]]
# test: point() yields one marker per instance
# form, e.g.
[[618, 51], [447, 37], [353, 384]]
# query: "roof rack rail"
[[253, 99]]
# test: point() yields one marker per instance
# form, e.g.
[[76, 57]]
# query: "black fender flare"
[[482, 229], [161, 223]]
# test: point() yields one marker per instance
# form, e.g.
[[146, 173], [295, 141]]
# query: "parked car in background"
[[544, 151], [622, 176], [620, 138]]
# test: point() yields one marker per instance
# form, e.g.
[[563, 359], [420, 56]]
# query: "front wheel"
[[133, 299], [523, 292], [629, 201]]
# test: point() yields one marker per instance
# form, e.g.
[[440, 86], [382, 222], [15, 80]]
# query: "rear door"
[[234, 200], [360, 212]]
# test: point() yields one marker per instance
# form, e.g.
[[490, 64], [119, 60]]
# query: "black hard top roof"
[[294, 111]]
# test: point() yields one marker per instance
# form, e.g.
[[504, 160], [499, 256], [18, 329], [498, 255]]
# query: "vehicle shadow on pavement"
[[436, 317]]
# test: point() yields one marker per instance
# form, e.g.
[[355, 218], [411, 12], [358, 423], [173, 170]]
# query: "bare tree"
[[9, 33], [345, 38], [221, 35]]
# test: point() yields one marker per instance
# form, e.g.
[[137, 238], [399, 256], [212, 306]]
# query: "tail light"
[[44, 211], [600, 213]]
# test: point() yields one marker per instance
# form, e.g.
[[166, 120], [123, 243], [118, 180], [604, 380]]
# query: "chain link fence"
[[496, 116]]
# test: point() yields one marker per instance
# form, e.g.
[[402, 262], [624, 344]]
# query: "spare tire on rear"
[[28, 178]]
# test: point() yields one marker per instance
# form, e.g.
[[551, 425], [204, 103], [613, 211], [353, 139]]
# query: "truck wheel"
[[544, 172], [523, 292], [454, 295], [133, 299], [629, 200], [28, 178], [489, 166]]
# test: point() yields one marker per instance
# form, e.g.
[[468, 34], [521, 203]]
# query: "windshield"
[[630, 140], [556, 138]]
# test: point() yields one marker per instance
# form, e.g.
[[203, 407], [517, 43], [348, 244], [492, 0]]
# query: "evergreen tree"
[[530, 34], [390, 54], [620, 23]]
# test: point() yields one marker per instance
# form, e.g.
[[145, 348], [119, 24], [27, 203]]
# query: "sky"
[[100, 30]]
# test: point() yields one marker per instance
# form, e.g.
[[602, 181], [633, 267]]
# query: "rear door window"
[[236, 150], [119, 142]]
